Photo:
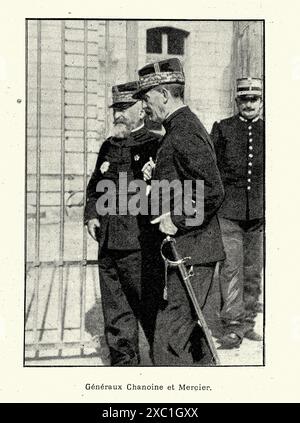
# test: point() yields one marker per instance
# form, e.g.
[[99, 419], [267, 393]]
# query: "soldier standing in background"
[[125, 241], [239, 145]]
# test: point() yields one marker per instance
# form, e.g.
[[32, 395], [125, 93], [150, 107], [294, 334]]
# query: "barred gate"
[[67, 95]]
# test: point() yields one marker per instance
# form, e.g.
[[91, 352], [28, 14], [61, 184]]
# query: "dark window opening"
[[175, 40], [154, 41], [175, 43]]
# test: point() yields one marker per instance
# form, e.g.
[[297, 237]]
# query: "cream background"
[[278, 380]]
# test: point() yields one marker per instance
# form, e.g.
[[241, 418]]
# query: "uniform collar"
[[248, 120], [168, 121], [138, 128], [133, 139]]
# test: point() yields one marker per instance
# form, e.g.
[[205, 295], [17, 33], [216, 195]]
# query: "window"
[[166, 40]]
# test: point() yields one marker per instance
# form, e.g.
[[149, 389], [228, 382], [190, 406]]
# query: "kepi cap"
[[167, 71], [122, 94], [249, 86]]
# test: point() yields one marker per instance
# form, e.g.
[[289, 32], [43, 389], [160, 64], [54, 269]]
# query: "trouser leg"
[[152, 284], [253, 267], [179, 340], [120, 274], [232, 278]]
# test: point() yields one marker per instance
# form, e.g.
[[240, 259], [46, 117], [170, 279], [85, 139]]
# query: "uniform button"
[[250, 133], [249, 172], [249, 164], [250, 127], [251, 155], [248, 188], [249, 180], [250, 139], [250, 147]]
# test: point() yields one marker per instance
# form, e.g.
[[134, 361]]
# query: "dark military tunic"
[[240, 148], [124, 253], [240, 152], [187, 153], [129, 155]]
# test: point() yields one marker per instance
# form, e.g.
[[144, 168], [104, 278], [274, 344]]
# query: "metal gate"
[[67, 94]]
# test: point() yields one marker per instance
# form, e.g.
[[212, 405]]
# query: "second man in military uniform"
[[186, 154], [239, 144], [124, 240]]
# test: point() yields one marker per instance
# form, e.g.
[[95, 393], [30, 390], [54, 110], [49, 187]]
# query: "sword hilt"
[[178, 260]]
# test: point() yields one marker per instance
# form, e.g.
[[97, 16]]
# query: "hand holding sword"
[[186, 276]]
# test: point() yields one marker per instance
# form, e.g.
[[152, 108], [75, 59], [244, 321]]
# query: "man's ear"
[[165, 93]]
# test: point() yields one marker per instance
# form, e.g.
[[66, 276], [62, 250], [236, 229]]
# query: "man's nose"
[[144, 105], [118, 113]]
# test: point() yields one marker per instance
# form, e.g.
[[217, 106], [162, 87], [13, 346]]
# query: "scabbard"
[[186, 280]]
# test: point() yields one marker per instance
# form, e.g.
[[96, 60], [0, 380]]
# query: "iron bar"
[[84, 235], [80, 41], [40, 346], [54, 263], [62, 190], [81, 54], [80, 92], [38, 184], [80, 67], [43, 328], [54, 191], [80, 29], [106, 86], [55, 175]]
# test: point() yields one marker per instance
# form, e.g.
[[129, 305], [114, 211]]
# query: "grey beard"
[[120, 130]]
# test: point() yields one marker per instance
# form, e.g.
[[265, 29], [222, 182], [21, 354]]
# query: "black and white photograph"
[[147, 101], [149, 219]]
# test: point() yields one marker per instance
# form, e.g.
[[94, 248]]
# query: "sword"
[[186, 275]]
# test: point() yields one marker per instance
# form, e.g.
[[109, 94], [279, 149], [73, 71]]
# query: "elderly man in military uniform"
[[186, 154], [239, 145], [124, 239]]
